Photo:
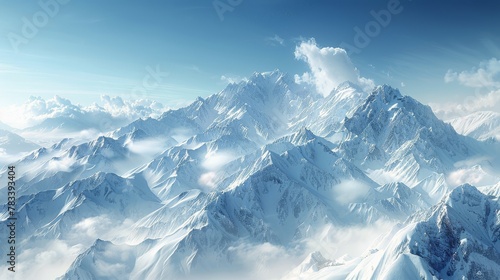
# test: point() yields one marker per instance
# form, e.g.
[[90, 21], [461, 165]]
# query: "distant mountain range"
[[480, 125], [267, 171]]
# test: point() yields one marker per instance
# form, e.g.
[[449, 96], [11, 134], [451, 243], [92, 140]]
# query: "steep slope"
[[65, 221], [89, 265], [278, 199], [236, 122], [53, 213], [173, 123], [480, 125], [52, 168], [389, 123], [258, 108], [255, 174], [13, 147], [391, 201], [194, 164], [457, 238], [249, 114], [11, 143], [403, 140], [324, 116]]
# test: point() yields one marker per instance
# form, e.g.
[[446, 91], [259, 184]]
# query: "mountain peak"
[[456, 240], [136, 135], [299, 138], [200, 99], [482, 125], [103, 141], [395, 188], [270, 79], [303, 135], [465, 194], [387, 94], [274, 75]]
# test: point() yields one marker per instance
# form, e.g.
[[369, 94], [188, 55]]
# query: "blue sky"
[[88, 48]]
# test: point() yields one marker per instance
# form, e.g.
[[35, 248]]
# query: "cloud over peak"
[[329, 67]]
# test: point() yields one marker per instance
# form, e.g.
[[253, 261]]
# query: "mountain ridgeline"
[[266, 166]]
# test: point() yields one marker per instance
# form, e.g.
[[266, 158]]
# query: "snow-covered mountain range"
[[13, 146], [458, 238], [480, 125], [263, 180]]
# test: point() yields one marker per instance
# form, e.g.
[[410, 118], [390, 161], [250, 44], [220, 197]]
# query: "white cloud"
[[261, 261], [471, 104], [48, 259], [478, 171], [114, 262], [149, 147], [350, 191], [485, 79], [45, 260], [63, 164], [336, 242], [6, 158], [105, 227], [329, 67], [182, 134], [92, 227], [213, 162], [113, 113], [271, 261], [216, 160], [208, 179], [139, 108], [275, 40], [475, 176], [487, 75]]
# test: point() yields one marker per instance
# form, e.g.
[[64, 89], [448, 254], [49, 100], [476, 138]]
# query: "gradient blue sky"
[[95, 47]]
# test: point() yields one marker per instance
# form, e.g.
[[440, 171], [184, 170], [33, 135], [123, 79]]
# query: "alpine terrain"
[[265, 180]]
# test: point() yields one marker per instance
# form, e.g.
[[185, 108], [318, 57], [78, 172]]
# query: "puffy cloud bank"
[[329, 67], [112, 112], [486, 75], [485, 82]]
